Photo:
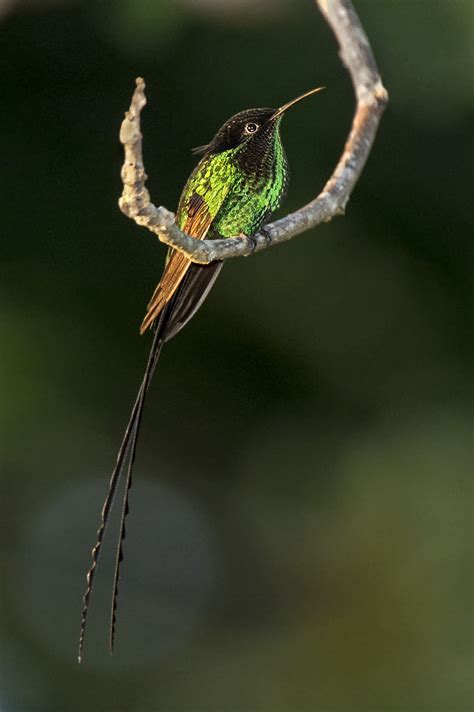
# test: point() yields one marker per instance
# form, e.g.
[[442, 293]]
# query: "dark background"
[[299, 536]]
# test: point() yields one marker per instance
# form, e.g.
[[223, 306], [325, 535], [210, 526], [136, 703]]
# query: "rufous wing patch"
[[198, 222]]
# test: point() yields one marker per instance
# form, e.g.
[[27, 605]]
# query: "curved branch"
[[371, 96]]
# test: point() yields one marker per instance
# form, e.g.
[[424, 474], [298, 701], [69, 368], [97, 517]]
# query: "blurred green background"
[[299, 536]]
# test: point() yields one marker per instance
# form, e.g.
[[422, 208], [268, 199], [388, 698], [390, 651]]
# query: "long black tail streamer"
[[152, 362], [180, 309], [126, 454]]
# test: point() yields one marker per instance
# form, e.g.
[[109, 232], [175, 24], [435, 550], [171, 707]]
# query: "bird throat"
[[261, 160]]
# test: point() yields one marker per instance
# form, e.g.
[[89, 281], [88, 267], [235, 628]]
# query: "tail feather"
[[125, 459], [150, 368], [192, 291]]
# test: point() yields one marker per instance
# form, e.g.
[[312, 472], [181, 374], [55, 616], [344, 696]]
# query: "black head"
[[242, 127], [254, 127]]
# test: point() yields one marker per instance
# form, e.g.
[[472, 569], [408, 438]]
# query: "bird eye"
[[250, 128]]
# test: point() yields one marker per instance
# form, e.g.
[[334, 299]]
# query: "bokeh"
[[300, 530]]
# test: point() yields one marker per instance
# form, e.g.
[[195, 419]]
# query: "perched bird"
[[239, 182]]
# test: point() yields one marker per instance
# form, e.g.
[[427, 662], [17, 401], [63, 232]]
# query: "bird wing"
[[197, 223]]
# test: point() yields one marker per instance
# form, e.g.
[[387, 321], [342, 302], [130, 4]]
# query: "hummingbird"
[[239, 181]]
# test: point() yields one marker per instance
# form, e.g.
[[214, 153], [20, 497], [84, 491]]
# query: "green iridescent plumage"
[[239, 193], [236, 186]]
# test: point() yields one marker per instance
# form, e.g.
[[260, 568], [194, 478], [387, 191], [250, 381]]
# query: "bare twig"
[[356, 54]]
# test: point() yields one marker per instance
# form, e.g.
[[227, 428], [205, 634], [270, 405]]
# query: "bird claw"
[[251, 241], [268, 238]]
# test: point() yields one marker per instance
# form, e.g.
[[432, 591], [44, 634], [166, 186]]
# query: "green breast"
[[238, 201]]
